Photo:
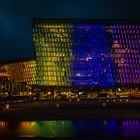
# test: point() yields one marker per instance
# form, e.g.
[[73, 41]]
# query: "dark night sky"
[[16, 15]]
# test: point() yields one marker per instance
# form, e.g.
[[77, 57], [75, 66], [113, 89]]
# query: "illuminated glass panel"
[[53, 51], [87, 54], [23, 71], [92, 63], [126, 53]]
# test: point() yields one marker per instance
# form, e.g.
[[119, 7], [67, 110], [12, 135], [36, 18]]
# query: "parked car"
[[73, 97], [135, 95], [61, 97], [124, 96], [103, 95], [82, 94]]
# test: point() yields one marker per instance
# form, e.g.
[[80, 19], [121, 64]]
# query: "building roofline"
[[86, 20], [16, 61]]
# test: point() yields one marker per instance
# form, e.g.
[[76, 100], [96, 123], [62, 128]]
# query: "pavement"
[[65, 110]]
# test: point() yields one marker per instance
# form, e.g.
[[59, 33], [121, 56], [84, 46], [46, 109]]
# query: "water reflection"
[[46, 129], [131, 128], [70, 128]]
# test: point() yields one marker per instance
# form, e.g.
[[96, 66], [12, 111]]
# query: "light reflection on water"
[[70, 128]]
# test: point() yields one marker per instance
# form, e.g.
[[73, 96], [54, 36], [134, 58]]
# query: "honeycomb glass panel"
[[87, 54], [54, 41]]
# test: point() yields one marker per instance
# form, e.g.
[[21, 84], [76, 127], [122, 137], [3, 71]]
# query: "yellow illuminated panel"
[[22, 71]]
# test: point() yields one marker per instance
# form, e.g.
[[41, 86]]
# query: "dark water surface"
[[70, 128]]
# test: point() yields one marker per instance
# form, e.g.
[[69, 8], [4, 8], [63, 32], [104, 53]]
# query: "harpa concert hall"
[[87, 53], [82, 54]]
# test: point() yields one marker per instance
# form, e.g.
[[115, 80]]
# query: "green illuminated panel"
[[53, 54]]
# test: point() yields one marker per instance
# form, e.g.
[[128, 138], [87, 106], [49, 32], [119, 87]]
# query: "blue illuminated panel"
[[92, 62]]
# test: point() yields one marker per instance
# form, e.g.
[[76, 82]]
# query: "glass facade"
[[21, 72], [87, 53], [53, 45], [126, 53], [92, 64]]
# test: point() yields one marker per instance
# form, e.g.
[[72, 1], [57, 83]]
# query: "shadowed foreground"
[[63, 110]]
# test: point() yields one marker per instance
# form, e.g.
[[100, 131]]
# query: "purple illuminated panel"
[[126, 53]]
